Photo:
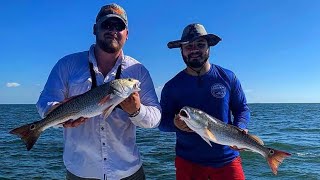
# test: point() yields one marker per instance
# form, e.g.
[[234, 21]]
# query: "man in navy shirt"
[[214, 90]]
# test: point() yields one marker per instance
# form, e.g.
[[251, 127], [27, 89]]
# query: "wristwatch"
[[135, 113]]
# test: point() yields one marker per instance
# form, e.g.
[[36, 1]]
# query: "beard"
[[108, 45], [197, 62]]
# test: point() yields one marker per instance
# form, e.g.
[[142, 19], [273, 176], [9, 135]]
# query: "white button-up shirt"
[[101, 148]]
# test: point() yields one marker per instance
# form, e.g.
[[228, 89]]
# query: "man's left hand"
[[245, 131], [131, 104]]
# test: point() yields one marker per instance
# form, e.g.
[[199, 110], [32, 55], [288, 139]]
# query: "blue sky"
[[272, 46]]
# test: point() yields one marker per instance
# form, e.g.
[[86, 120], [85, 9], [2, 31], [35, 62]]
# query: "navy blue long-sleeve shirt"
[[218, 93]]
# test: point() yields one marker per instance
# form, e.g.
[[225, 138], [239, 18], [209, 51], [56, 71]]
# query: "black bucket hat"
[[193, 32]]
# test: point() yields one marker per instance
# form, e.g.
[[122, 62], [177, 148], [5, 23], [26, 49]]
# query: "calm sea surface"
[[294, 128]]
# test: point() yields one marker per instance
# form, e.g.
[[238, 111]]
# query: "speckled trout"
[[100, 100], [212, 129]]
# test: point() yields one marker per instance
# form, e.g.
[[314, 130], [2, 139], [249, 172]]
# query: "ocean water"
[[294, 128]]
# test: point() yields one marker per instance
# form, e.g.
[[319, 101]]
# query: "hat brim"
[[211, 38], [104, 18]]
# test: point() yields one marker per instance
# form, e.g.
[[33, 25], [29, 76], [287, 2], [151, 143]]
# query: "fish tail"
[[28, 133], [275, 158]]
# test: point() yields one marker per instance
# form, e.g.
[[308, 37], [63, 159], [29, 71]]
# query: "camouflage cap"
[[193, 32], [112, 10]]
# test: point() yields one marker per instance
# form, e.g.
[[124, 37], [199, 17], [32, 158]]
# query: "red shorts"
[[186, 170]]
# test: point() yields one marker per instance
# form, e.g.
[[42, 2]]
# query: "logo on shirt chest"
[[218, 90]]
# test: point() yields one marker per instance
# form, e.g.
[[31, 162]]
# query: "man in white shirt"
[[96, 148]]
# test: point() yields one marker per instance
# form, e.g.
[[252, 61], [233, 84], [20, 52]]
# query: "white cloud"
[[12, 84]]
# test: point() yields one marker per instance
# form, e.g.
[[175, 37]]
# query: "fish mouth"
[[136, 86], [184, 113]]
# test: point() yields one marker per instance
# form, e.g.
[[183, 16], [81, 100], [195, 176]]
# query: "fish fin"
[[107, 112], [256, 138], [52, 108], [241, 148], [104, 100], [275, 158], [211, 136], [206, 140], [28, 133], [59, 104], [245, 149]]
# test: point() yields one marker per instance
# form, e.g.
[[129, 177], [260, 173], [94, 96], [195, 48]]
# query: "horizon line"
[[247, 103]]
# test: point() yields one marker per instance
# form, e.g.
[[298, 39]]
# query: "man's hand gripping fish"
[[100, 100], [212, 129]]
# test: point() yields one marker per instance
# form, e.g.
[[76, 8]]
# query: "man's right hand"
[[180, 124], [74, 123]]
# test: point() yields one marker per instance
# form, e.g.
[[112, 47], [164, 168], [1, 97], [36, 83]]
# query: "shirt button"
[[103, 143], [105, 158], [102, 128]]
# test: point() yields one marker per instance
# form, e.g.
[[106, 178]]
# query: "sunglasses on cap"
[[111, 25]]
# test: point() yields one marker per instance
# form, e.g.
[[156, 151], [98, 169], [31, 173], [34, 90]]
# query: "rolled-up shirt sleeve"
[[55, 89], [150, 111]]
